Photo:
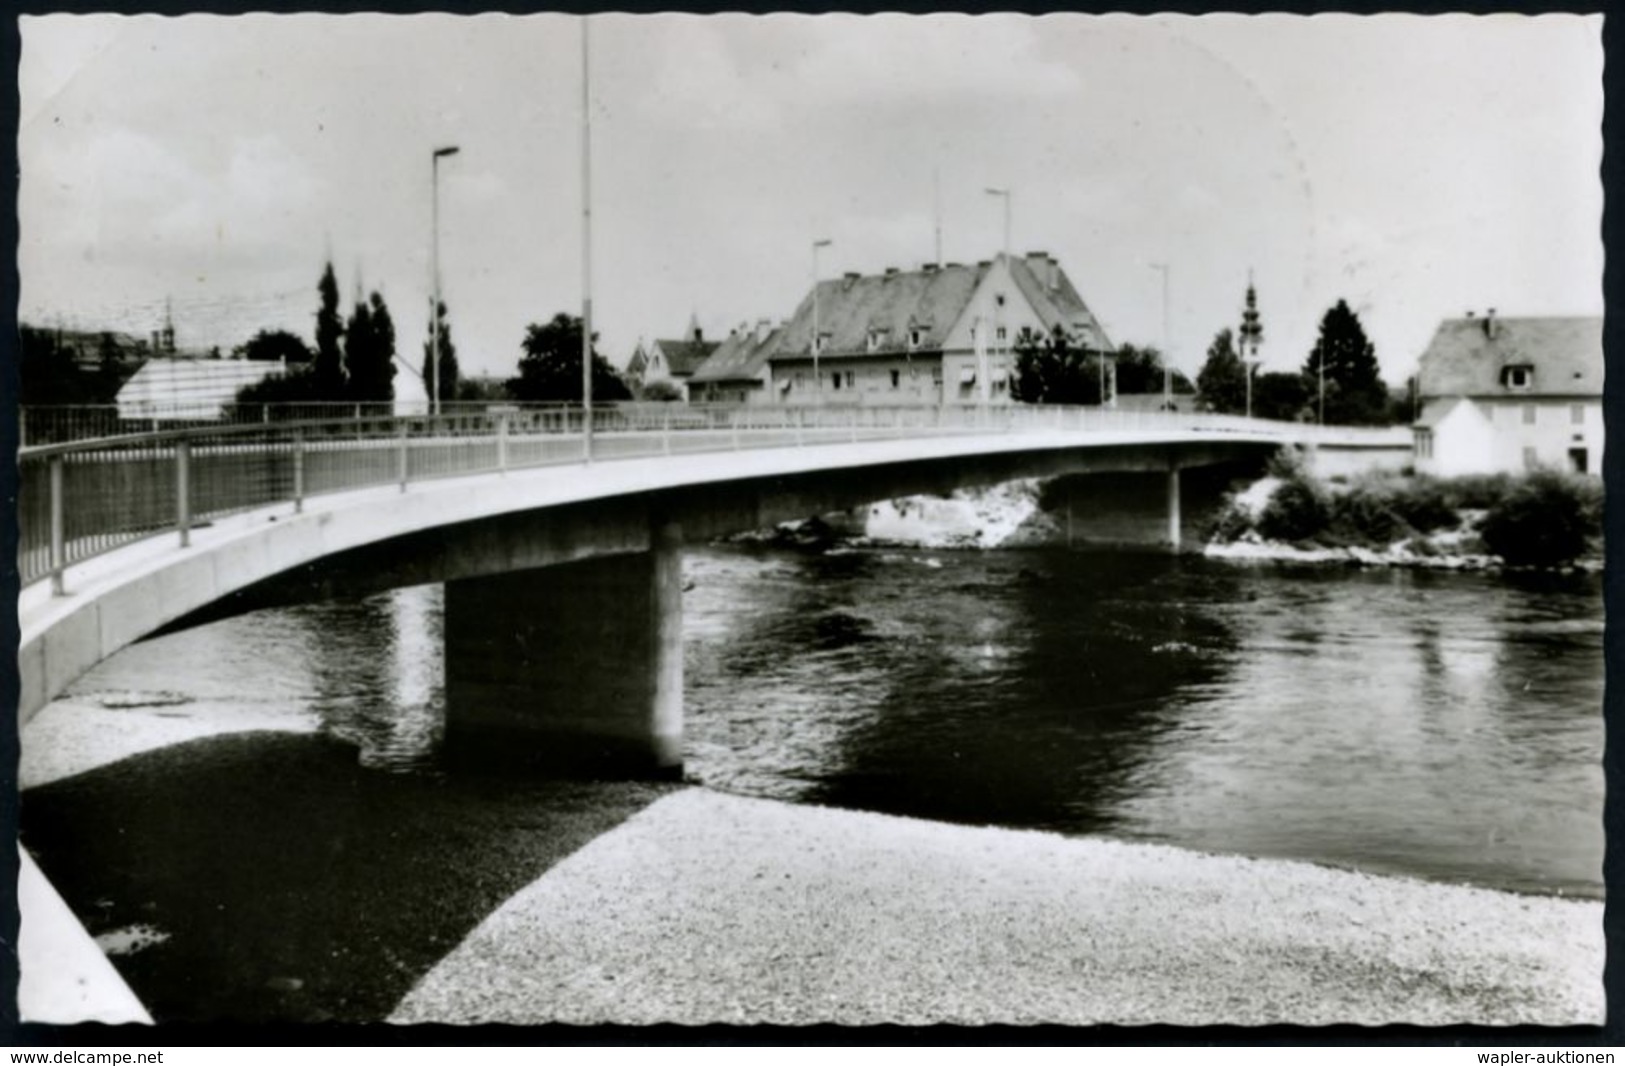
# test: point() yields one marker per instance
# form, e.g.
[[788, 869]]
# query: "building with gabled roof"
[[737, 372], [189, 389], [674, 359], [1509, 394], [938, 334]]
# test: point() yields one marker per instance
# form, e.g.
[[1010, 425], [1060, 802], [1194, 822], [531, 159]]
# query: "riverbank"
[[708, 908]]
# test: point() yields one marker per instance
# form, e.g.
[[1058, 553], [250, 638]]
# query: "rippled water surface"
[[1441, 725]]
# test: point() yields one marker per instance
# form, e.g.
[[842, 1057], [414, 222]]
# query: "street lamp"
[[982, 371], [434, 271], [818, 382], [1005, 193], [1167, 355], [586, 248]]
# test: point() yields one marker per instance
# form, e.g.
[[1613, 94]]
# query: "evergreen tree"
[[1355, 393], [327, 380], [448, 360], [1222, 381], [550, 368], [369, 353]]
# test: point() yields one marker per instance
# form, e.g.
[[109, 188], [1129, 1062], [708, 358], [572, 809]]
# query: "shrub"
[[1477, 492], [1296, 511], [1365, 513], [1424, 504], [1539, 522], [1286, 464], [1230, 524]]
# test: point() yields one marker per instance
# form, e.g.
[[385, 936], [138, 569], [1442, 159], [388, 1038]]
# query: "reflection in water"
[[1435, 724]]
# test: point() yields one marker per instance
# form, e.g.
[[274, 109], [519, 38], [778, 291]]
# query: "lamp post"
[[586, 249], [818, 382], [434, 270], [1005, 193], [984, 385], [1167, 356]]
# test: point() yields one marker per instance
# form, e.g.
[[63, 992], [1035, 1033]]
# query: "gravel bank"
[[711, 908]]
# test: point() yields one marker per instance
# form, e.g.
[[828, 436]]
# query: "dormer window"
[[821, 342], [875, 336], [1518, 376], [998, 299], [916, 337]]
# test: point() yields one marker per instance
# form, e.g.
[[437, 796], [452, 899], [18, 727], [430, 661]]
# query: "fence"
[[82, 498]]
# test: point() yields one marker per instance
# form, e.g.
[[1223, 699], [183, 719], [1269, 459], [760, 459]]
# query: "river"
[[1438, 725]]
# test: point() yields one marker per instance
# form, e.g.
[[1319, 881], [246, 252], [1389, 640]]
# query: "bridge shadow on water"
[[1022, 689], [292, 884]]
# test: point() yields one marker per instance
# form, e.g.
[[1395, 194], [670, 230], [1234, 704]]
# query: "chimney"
[[930, 268], [1491, 327], [891, 272]]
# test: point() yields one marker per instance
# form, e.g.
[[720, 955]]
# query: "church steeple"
[[692, 333]]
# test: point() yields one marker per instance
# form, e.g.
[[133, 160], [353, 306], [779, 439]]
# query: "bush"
[[1230, 524], [1297, 511], [1424, 504], [1365, 513], [1540, 522], [1477, 492]]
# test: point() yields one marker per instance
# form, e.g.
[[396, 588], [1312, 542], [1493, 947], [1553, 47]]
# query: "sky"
[[1417, 167]]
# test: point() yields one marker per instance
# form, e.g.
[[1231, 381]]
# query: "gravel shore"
[[705, 907]]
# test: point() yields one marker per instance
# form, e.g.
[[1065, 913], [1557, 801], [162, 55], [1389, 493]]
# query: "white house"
[[1510, 394]]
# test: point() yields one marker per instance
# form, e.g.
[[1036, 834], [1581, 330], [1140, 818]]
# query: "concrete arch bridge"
[[559, 547]]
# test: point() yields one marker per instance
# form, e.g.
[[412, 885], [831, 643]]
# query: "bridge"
[[518, 511]]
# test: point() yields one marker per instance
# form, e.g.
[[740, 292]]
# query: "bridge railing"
[[83, 498]]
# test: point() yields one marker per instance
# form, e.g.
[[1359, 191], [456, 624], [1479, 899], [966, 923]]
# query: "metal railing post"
[[586, 434], [57, 562], [183, 490], [665, 432], [298, 471], [502, 443], [400, 454]]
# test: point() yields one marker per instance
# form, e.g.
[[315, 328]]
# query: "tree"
[[275, 346], [550, 368], [296, 386], [1222, 381], [369, 353], [1049, 369], [109, 370], [1281, 395], [1355, 394], [47, 370], [448, 360], [328, 370]]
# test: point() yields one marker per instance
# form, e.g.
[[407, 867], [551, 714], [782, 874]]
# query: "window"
[[1528, 414], [1517, 377], [821, 342], [851, 380], [835, 379], [998, 299], [1529, 460], [896, 378], [999, 385], [1424, 444], [1000, 335], [874, 340], [936, 376], [1577, 416], [915, 338]]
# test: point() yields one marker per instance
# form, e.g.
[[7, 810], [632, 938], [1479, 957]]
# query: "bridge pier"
[[1173, 508], [575, 668]]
